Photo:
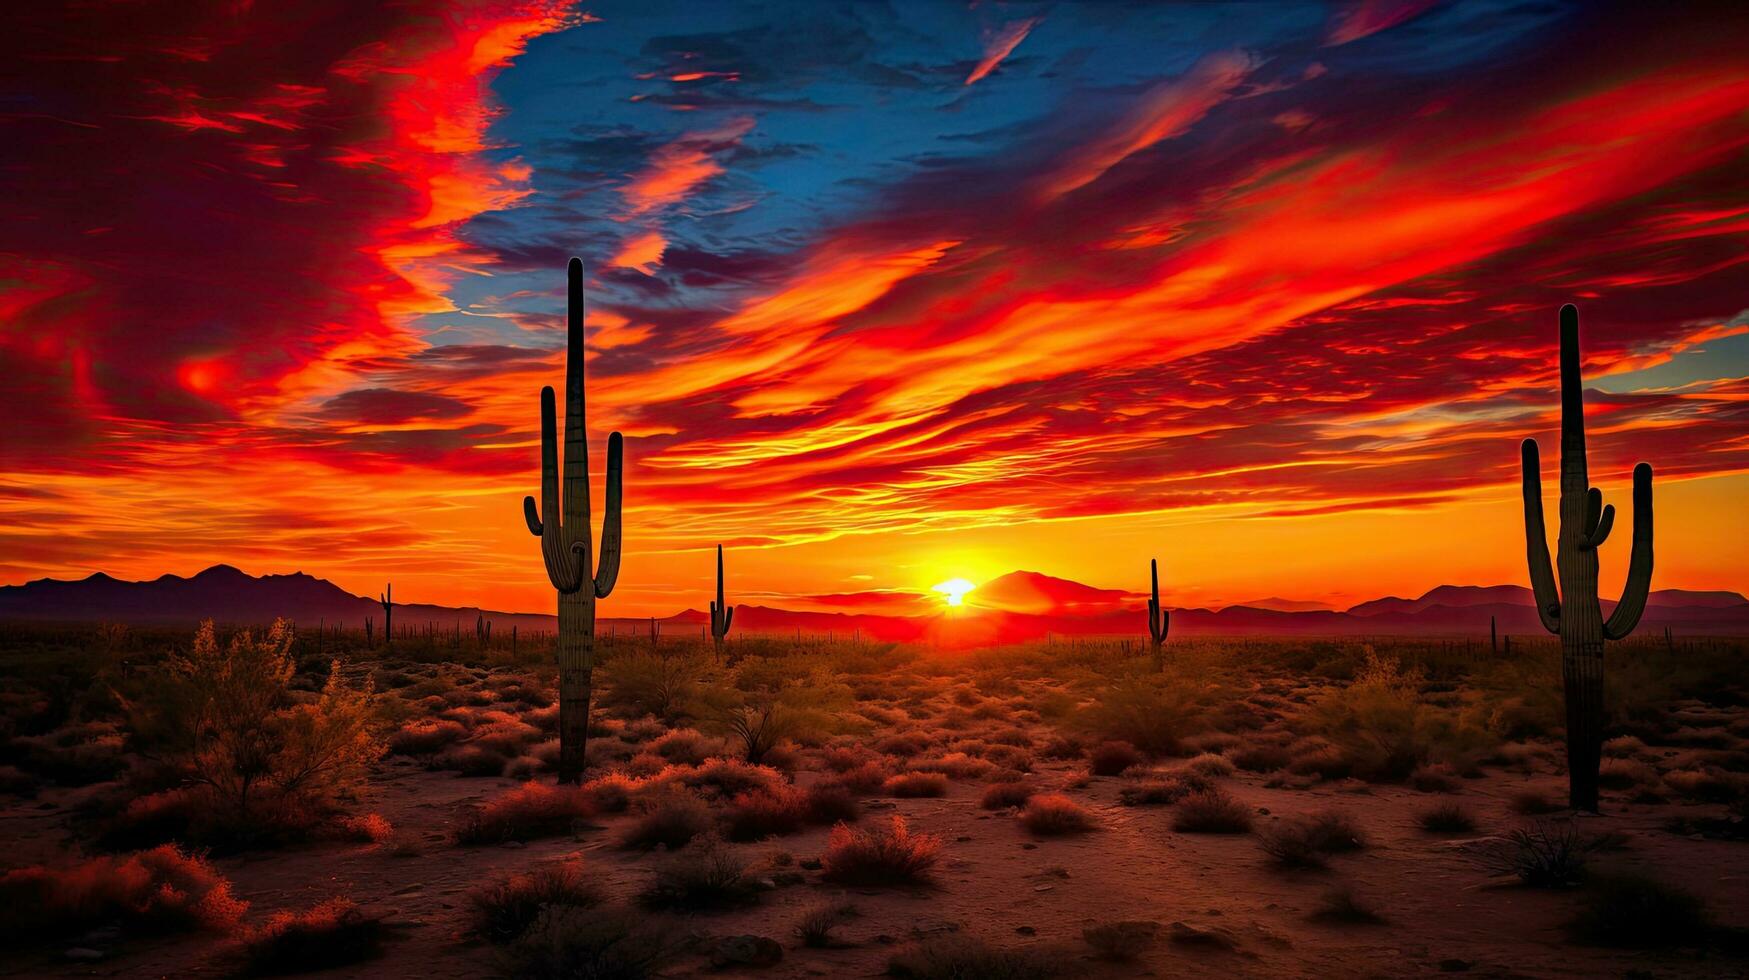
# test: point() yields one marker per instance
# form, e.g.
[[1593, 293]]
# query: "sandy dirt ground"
[[1443, 913]]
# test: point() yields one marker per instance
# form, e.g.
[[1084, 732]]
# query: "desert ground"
[[1343, 807]]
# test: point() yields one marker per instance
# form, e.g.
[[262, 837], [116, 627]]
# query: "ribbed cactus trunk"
[[721, 611], [1574, 612], [566, 537], [1159, 619], [387, 598]]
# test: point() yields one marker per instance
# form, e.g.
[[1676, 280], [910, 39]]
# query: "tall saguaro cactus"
[[1574, 613], [721, 611], [387, 598], [1159, 619], [565, 536]]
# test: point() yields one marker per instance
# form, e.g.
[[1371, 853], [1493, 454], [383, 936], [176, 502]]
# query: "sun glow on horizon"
[[954, 590]]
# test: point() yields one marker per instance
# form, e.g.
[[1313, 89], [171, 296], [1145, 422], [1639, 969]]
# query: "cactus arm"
[[728, 616], [1593, 509], [1536, 541], [531, 514], [1639, 584], [1600, 533], [562, 566], [608, 571]]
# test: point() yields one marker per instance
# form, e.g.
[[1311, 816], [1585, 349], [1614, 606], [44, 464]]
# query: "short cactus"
[[565, 536], [1159, 619], [387, 598], [1574, 613], [721, 611]]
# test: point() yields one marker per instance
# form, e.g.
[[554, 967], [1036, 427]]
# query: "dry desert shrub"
[[815, 929], [1001, 796], [1210, 765], [765, 813], [528, 812], [669, 818], [1153, 713], [1211, 812], [829, 803], [885, 854], [502, 911], [1545, 854], [916, 784], [155, 892], [1305, 842], [706, 874], [1053, 815], [333, 934], [249, 747], [426, 736], [1446, 818], [959, 957], [1112, 758]]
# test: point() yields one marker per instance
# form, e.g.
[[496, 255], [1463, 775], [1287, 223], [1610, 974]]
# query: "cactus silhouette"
[[721, 611], [1574, 613], [1159, 620], [564, 530], [387, 598]]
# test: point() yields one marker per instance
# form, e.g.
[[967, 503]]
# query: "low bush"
[[1053, 814], [887, 854], [916, 784], [1112, 758], [1546, 854], [503, 911], [815, 929], [154, 892], [1261, 757], [1163, 791], [828, 803], [705, 875], [333, 934], [671, 819], [528, 812], [570, 943], [1211, 812], [1000, 796], [1305, 842], [967, 958], [765, 813], [1446, 818], [1211, 765]]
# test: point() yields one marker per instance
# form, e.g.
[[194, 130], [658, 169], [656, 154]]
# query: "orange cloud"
[[1000, 46], [1169, 109], [642, 252], [680, 166]]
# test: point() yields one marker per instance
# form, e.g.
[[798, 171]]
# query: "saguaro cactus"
[[387, 598], [1159, 620], [565, 536], [721, 611], [1574, 613]]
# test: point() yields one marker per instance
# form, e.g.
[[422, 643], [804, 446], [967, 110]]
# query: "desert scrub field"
[[237, 802]]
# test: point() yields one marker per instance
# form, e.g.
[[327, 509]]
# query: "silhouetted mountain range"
[[1016, 606]]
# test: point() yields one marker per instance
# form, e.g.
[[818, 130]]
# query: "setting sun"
[[954, 589]]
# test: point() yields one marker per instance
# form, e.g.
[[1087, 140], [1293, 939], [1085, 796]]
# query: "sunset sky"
[[881, 294]]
